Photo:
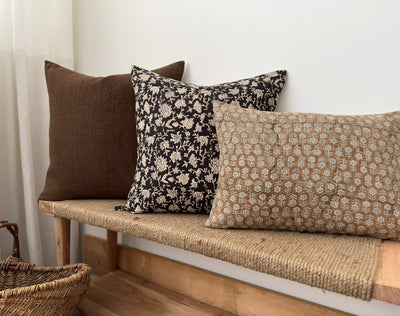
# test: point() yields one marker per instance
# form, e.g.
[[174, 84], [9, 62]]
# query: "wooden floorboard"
[[89, 307], [118, 293]]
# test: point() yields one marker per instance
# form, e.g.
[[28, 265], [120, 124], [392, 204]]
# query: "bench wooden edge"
[[47, 207], [387, 277], [62, 236]]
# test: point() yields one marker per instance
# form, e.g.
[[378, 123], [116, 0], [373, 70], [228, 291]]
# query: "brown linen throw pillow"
[[308, 172], [92, 141]]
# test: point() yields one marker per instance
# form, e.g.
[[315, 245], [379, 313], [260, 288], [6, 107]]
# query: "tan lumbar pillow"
[[308, 172]]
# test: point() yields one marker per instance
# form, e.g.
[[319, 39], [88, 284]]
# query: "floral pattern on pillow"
[[177, 166]]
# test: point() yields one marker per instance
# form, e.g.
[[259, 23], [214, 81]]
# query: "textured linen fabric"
[[177, 143], [308, 172], [92, 133]]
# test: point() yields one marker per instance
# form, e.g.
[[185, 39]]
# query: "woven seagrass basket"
[[29, 290]]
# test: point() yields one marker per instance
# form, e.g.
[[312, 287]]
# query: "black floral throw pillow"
[[177, 166]]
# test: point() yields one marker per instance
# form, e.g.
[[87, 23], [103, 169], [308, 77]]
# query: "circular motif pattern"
[[308, 172]]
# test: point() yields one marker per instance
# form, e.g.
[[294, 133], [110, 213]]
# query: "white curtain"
[[30, 32]]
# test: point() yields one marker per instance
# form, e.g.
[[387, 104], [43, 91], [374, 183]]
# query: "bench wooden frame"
[[231, 296], [386, 284]]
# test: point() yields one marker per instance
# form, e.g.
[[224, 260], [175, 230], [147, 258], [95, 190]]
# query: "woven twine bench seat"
[[362, 267]]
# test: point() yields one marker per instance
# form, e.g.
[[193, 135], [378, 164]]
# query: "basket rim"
[[82, 274]]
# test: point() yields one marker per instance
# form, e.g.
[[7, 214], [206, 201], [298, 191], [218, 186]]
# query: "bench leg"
[[62, 231], [112, 249]]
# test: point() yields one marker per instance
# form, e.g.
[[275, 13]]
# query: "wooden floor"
[[118, 293]]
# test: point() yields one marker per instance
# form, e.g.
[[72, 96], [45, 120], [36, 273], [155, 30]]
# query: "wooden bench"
[[386, 285]]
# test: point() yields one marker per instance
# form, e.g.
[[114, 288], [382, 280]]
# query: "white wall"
[[341, 57]]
